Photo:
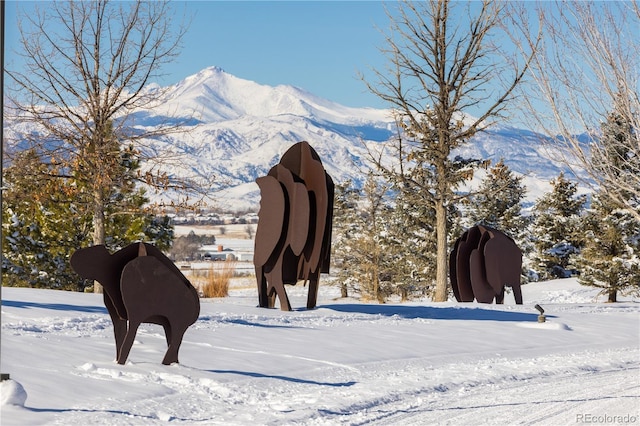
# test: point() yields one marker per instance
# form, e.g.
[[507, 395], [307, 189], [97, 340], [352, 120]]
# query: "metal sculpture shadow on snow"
[[484, 261], [293, 239], [141, 285]]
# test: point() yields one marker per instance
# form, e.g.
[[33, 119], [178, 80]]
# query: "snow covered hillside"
[[235, 130], [345, 362]]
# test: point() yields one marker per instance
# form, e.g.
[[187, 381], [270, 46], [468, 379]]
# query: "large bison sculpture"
[[293, 238]]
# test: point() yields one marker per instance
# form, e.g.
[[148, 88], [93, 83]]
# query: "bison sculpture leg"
[[275, 286], [517, 293], [128, 340], [314, 283], [263, 297], [174, 339], [119, 324]]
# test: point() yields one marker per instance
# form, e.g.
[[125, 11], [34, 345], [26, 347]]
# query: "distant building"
[[219, 253]]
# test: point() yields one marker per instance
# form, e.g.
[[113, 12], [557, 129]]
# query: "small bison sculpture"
[[140, 285], [484, 261], [293, 239]]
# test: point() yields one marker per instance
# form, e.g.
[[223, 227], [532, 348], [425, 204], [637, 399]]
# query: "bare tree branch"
[[588, 67]]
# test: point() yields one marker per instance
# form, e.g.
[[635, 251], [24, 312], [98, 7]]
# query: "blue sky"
[[319, 46]]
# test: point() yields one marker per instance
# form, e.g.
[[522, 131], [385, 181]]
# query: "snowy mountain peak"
[[215, 95]]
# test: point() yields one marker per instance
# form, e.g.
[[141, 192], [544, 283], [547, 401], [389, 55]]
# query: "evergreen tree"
[[345, 228], [359, 249], [498, 203], [610, 259], [618, 157], [41, 226], [381, 249], [47, 216], [409, 241], [373, 283], [556, 229]]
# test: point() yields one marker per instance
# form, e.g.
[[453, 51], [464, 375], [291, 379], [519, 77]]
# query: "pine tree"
[[610, 259], [345, 227], [360, 255], [47, 216], [409, 241], [383, 244], [556, 229], [373, 282], [618, 157], [498, 203], [41, 227]]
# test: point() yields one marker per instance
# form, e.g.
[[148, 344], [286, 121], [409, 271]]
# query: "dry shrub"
[[217, 281]]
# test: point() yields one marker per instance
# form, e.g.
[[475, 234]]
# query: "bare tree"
[[442, 64], [87, 68], [586, 68]]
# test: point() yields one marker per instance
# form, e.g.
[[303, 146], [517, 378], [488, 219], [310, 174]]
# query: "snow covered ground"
[[344, 363]]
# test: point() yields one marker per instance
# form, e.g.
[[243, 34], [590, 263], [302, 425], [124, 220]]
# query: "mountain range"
[[236, 130]]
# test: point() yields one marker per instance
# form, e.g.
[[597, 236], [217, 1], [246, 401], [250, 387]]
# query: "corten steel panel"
[[468, 242], [503, 262], [481, 288], [299, 210], [140, 285], [151, 291], [272, 211], [303, 214], [326, 241], [453, 275], [270, 240], [282, 234], [304, 162]]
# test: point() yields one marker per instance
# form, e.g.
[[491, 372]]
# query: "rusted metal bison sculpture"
[[484, 261], [293, 239], [141, 285]]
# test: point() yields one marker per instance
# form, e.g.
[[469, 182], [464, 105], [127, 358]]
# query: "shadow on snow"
[[430, 312], [285, 378], [54, 306], [238, 321]]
